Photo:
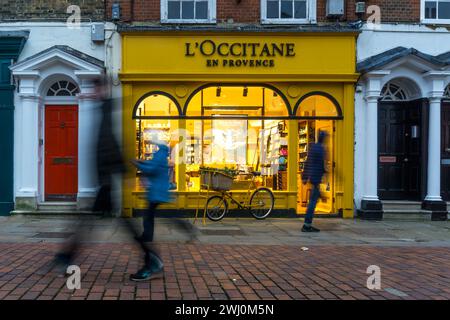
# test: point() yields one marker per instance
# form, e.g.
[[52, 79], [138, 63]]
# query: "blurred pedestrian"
[[108, 161], [109, 158], [313, 172], [156, 172]]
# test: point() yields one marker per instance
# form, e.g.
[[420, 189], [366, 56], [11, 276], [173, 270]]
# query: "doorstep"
[[56, 213]]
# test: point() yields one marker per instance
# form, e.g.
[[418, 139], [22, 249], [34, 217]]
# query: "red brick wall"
[[248, 11], [391, 10]]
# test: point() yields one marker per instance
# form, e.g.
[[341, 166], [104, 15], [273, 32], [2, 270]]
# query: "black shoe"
[[146, 274], [309, 229]]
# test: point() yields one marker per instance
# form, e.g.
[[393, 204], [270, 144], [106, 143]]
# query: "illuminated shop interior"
[[238, 127]]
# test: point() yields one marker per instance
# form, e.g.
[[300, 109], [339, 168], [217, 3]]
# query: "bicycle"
[[260, 203]]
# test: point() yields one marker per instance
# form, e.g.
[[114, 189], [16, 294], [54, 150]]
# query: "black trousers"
[[149, 221]]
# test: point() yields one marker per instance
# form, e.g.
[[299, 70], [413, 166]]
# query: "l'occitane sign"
[[239, 54], [174, 55]]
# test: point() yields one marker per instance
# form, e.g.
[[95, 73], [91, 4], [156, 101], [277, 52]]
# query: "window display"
[[239, 129], [150, 132], [233, 135]]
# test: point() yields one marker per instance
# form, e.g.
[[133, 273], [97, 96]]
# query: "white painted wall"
[[374, 41], [45, 35], [388, 36]]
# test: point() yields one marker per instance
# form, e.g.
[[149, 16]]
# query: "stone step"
[[53, 212], [402, 205], [407, 215], [57, 206]]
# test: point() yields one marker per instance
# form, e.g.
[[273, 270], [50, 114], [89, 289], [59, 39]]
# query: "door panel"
[[61, 153], [399, 170]]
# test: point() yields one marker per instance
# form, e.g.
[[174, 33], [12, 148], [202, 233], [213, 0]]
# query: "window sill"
[[287, 22], [435, 21], [191, 22]]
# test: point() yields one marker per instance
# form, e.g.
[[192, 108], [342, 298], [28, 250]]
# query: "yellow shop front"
[[250, 102]]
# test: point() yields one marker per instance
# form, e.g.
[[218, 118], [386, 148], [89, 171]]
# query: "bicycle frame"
[[246, 203]]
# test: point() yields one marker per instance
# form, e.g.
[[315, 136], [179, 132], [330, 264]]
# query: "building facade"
[[55, 111], [401, 107], [246, 85]]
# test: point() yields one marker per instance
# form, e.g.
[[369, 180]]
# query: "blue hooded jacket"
[[315, 165], [157, 173]]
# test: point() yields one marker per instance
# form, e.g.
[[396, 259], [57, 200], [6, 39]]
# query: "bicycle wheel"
[[261, 203], [216, 208]]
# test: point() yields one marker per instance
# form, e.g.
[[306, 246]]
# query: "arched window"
[[63, 89], [238, 126], [156, 105], [318, 105], [393, 92], [156, 115], [236, 100]]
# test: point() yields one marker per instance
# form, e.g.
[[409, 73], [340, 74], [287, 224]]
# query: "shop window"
[[237, 101], [288, 11], [238, 129], [318, 105], [435, 11], [188, 11], [156, 123], [62, 89]]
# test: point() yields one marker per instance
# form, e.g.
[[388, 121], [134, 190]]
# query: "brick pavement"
[[210, 271]]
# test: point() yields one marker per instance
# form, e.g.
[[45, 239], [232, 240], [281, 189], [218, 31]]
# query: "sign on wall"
[[239, 54]]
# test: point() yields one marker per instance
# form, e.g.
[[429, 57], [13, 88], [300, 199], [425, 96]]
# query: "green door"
[[11, 44]]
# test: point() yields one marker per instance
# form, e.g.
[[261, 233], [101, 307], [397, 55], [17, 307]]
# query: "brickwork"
[[249, 11], [234, 11], [203, 271], [50, 9]]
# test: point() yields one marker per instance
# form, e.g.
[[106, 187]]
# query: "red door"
[[61, 153]]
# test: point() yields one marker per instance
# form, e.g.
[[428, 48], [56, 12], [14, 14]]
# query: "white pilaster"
[[434, 151], [372, 94], [28, 144], [88, 124], [437, 86]]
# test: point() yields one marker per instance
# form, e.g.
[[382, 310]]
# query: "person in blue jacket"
[[156, 172], [313, 171]]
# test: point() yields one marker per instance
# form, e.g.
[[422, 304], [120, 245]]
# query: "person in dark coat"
[[313, 171], [108, 157], [156, 172], [109, 161]]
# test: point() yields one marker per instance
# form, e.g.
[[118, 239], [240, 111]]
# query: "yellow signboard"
[[277, 54]]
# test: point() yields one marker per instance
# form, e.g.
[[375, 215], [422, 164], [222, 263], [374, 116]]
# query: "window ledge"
[[435, 21], [287, 21], [187, 21]]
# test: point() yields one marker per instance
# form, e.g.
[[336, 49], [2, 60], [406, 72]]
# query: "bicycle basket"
[[216, 180]]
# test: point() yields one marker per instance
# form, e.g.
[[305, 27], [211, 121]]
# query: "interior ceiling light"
[[245, 93], [218, 91]]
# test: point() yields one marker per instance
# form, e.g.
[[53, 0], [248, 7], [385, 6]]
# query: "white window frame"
[[211, 14], [311, 15], [433, 21]]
